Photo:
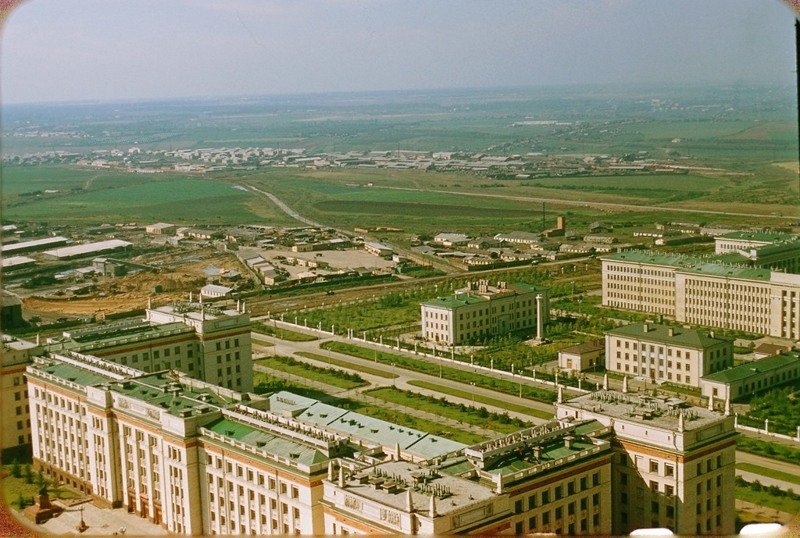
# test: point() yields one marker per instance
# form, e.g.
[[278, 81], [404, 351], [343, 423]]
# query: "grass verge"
[[329, 376], [283, 334], [265, 384], [501, 385], [481, 399], [771, 473], [461, 413], [345, 364]]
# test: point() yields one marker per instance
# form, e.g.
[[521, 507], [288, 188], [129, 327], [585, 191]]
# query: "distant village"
[[529, 165]]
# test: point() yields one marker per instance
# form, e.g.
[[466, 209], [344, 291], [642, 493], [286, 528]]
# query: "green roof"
[[269, 442], [105, 340], [691, 264], [150, 389], [661, 333], [754, 368], [461, 298], [758, 236], [72, 373], [454, 301]]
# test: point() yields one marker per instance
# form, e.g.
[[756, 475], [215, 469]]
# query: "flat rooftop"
[[690, 264], [197, 311], [269, 442], [169, 393], [117, 336], [355, 425], [387, 483], [87, 248], [659, 412]]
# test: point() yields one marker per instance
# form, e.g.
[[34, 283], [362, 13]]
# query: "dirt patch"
[[186, 273]]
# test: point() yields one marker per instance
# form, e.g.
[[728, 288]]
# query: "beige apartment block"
[[481, 310], [674, 464], [15, 424], [701, 292], [666, 354]]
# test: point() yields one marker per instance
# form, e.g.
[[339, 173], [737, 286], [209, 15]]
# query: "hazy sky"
[[54, 50]]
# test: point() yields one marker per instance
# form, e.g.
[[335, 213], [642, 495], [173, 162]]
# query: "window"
[[531, 523], [669, 469], [623, 479], [518, 506], [653, 466], [596, 479], [531, 502], [654, 486], [559, 492], [654, 507], [624, 498], [545, 497], [583, 483]]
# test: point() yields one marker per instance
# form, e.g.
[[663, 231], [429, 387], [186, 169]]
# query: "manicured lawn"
[[766, 471], [13, 488], [345, 364], [763, 498], [767, 449], [502, 385], [479, 398], [283, 334], [265, 383], [333, 377], [468, 415]]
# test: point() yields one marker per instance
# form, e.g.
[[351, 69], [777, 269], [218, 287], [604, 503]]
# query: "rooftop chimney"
[[645, 327], [671, 331], [568, 441]]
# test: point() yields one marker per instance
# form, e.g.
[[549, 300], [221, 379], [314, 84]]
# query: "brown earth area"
[[129, 292]]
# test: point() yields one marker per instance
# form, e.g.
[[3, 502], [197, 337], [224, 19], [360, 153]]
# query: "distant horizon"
[[97, 51], [633, 87]]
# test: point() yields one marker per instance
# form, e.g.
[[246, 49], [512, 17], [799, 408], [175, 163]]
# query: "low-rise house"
[[582, 357]]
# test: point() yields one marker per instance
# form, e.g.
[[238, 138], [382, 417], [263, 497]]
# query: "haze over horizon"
[[71, 50]]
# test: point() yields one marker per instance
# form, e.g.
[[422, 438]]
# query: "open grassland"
[[92, 196]]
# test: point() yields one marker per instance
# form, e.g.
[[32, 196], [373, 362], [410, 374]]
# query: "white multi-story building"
[[674, 465], [481, 310], [702, 292], [666, 354]]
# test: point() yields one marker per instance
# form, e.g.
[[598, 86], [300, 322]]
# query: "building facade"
[[207, 342], [673, 464], [15, 423], [666, 354], [700, 292], [481, 310], [581, 357], [751, 378]]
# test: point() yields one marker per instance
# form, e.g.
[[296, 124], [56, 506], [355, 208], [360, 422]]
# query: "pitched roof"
[[667, 334]]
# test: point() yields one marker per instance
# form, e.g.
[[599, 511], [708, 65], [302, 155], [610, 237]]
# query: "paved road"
[[286, 209], [283, 347]]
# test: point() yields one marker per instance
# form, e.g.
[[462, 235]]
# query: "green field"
[[91, 196]]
